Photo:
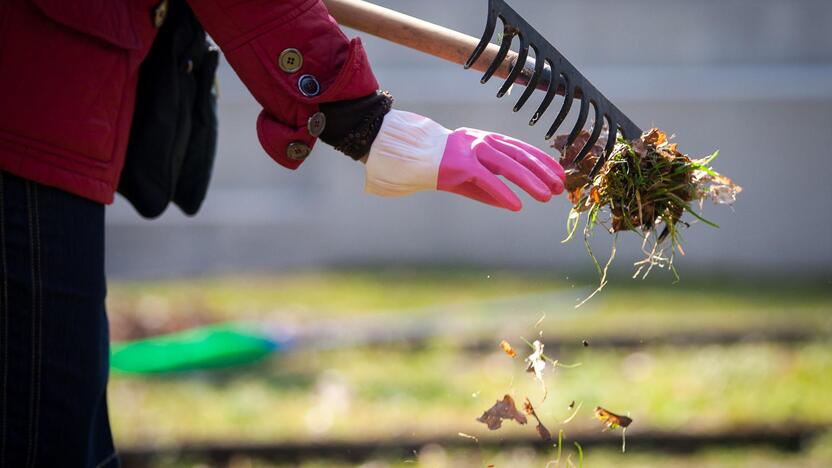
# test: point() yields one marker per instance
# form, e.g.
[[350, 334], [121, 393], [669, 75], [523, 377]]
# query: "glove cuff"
[[405, 156]]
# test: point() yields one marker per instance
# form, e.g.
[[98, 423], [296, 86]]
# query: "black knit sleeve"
[[352, 126]]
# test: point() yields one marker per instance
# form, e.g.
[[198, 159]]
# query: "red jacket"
[[69, 68]]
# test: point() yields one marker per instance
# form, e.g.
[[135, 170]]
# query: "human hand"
[[412, 153]]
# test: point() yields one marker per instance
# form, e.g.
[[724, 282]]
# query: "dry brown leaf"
[[502, 409], [595, 195], [528, 408], [541, 429], [506, 347], [639, 147], [568, 155], [611, 419], [576, 194], [543, 432], [655, 137]]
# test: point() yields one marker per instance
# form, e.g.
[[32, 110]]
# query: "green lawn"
[[438, 388]]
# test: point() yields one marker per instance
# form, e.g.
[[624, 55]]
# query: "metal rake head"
[[551, 71]]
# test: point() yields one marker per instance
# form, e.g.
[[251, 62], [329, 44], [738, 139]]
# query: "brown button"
[[160, 13], [290, 60], [316, 124], [297, 151]]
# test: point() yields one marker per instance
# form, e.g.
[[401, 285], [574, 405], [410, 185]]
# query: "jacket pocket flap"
[[108, 20]]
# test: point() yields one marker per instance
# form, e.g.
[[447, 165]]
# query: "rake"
[[548, 71]]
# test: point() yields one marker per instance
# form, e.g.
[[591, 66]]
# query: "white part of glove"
[[405, 156]]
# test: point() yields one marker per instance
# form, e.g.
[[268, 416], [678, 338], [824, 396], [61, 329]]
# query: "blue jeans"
[[54, 350]]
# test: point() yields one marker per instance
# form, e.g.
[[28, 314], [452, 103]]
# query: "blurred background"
[[728, 367]]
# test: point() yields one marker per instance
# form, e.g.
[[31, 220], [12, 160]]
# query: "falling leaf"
[[502, 409], [543, 432], [537, 363], [611, 419], [541, 429], [506, 347], [614, 421]]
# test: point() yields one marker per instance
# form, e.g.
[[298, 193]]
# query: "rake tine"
[[593, 138], [519, 63], [551, 91], [579, 124], [630, 132], [567, 78], [505, 45], [611, 137], [568, 99], [532, 84], [490, 24]]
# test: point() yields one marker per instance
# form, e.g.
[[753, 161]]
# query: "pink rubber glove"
[[413, 153]]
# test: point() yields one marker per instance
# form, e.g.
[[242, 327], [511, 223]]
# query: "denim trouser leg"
[[53, 329]]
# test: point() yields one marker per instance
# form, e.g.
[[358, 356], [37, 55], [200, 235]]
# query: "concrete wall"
[[752, 78]]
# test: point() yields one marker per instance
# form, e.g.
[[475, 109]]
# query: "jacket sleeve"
[[324, 66]]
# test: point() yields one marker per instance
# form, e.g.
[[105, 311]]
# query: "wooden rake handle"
[[416, 34]]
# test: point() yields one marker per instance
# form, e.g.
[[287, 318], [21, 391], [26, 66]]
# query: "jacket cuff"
[[289, 143], [288, 146], [354, 78], [292, 56]]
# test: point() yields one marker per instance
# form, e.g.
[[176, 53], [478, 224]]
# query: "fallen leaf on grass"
[[502, 409], [506, 347]]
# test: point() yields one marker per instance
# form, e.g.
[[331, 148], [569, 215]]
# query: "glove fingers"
[[537, 152], [497, 190], [531, 162], [501, 164], [475, 193]]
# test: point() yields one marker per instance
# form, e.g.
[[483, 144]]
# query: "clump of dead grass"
[[646, 186]]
